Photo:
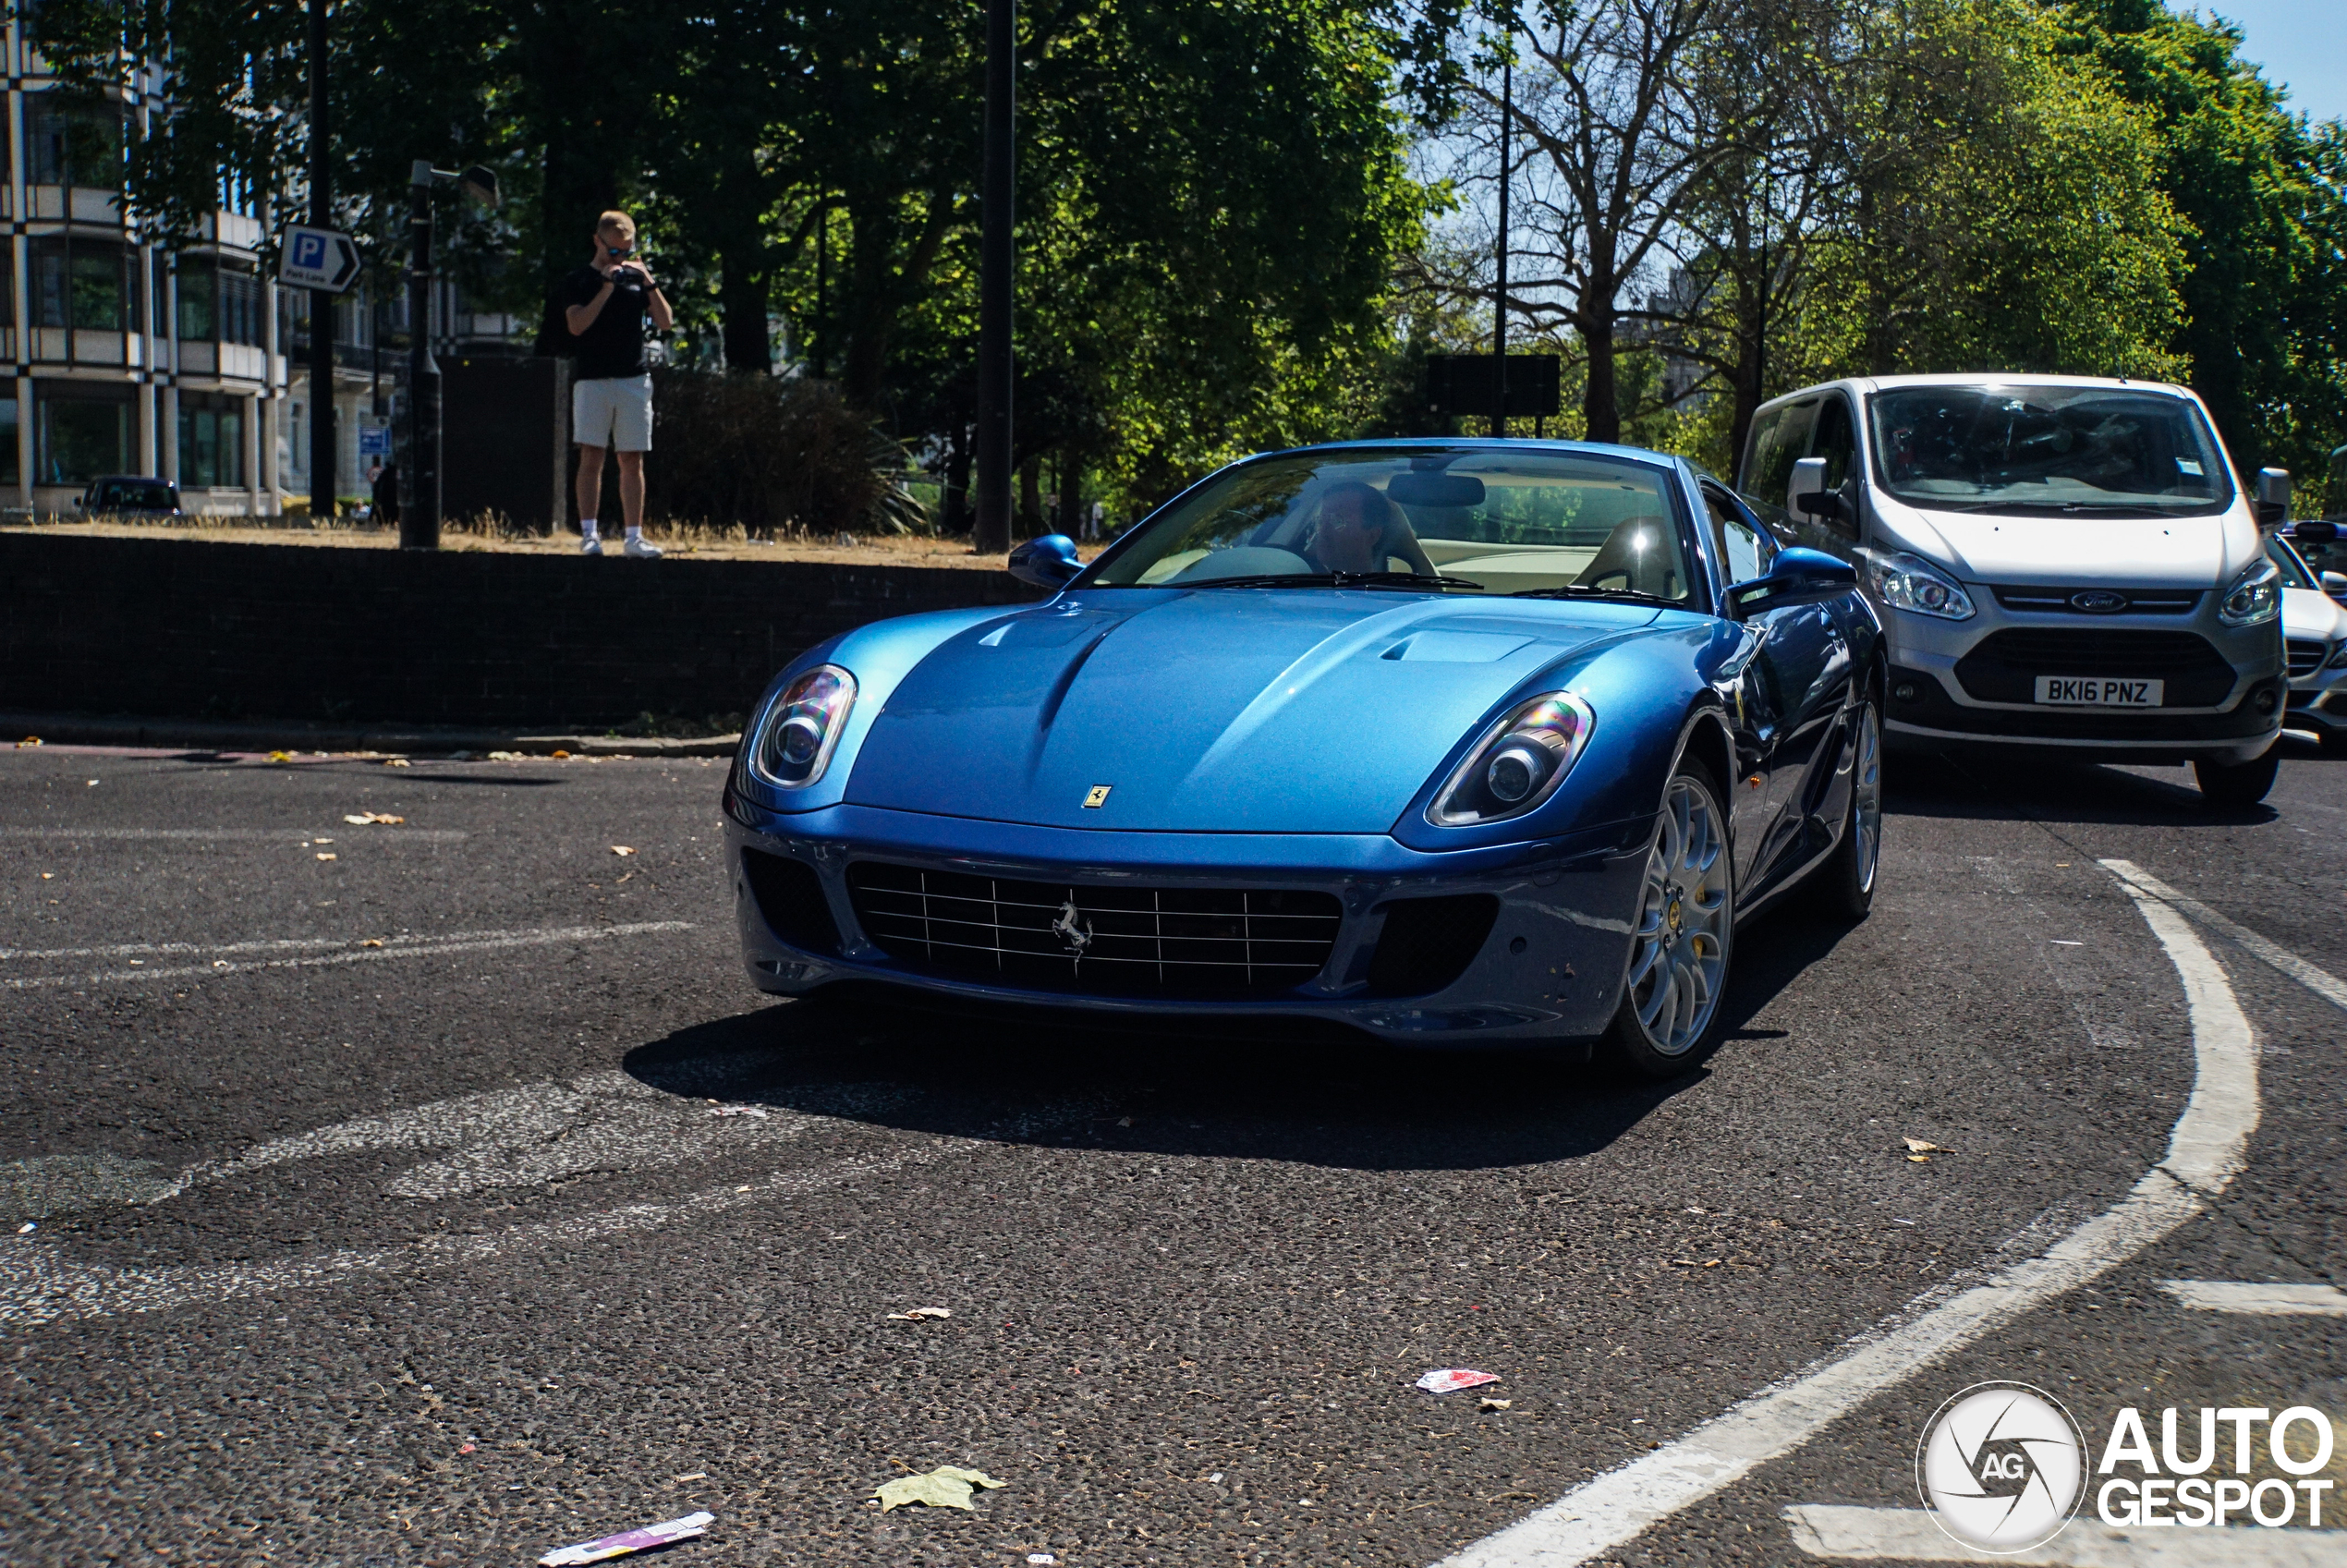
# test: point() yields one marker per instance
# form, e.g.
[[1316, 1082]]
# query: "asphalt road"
[[437, 1192]]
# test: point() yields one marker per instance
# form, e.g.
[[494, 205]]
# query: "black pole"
[[420, 518], [1500, 295], [322, 303], [997, 259]]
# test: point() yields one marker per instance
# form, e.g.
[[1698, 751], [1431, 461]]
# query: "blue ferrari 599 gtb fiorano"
[[1457, 742]]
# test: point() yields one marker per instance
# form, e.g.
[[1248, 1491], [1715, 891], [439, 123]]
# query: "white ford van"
[[2064, 565]]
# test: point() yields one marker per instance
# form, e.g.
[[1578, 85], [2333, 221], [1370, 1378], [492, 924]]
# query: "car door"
[[1785, 698]]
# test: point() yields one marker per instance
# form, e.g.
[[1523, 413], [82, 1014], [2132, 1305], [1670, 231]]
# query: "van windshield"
[[2050, 449]]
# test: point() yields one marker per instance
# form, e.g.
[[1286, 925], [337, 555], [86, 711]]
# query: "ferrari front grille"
[[1120, 941]]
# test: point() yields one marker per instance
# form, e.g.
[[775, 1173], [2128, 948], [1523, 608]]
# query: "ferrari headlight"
[[2253, 596], [1518, 763], [793, 743], [1910, 582]]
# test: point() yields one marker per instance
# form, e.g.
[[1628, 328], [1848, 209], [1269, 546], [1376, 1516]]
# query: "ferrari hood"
[[1221, 709], [2178, 552]]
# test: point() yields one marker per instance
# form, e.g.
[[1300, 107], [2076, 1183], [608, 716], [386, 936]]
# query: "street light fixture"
[[419, 519]]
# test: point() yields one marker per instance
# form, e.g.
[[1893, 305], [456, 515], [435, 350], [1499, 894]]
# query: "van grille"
[[2132, 600], [2005, 665], [1172, 941]]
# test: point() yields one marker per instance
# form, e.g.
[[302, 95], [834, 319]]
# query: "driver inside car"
[[1357, 529]]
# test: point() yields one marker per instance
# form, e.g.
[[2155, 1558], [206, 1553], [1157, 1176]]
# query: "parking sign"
[[374, 441], [316, 258]]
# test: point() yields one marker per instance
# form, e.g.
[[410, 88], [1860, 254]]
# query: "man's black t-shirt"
[[614, 346]]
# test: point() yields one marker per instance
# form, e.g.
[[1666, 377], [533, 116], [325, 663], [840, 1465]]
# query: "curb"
[[426, 739]]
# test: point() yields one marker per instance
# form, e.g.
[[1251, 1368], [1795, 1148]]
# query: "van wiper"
[[1575, 590], [1334, 580]]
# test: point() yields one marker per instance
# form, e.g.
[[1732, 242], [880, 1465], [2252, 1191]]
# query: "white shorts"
[[612, 411]]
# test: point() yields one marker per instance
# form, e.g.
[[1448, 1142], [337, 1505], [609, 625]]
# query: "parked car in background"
[[1458, 743], [2318, 544], [115, 494], [2065, 567], [2313, 631]]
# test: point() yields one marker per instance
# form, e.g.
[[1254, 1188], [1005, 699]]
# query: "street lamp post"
[[321, 301], [1500, 295], [997, 259], [420, 518]]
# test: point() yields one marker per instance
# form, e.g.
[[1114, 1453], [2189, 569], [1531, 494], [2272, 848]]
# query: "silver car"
[[2065, 567]]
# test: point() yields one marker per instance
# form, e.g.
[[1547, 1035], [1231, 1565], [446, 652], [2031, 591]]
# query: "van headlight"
[[795, 738], [2253, 596], [1518, 763], [1910, 582]]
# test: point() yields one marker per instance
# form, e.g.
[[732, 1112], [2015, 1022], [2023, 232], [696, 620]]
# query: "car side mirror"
[[2335, 584], [1797, 576], [1807, 496], [2273, 497], [1049, 562]]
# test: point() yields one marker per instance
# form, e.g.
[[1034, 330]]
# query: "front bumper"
[[1550, 969], [1932, 705]]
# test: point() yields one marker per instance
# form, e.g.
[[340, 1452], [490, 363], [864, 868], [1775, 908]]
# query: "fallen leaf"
[[1918, 1159], [948, 1486], [396, 762], [917, 1313], [1490, 1403], [561, 755], [29, 740], [373, 941], [48, 876], [323, 856], [1923, 1146], [621, 849], [281, 757]]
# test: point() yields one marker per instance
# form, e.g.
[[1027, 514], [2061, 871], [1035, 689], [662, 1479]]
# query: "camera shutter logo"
[[2001, 1467]]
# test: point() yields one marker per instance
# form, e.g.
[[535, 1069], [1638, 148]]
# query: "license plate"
[[2100, 691]]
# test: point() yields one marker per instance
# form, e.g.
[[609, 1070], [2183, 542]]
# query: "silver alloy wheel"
[[1866, 792], [1678, 959]]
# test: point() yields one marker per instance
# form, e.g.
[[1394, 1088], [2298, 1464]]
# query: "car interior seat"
[[1636, 555]]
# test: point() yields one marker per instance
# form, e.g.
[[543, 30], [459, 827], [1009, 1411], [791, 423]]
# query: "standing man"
[[604, 303]]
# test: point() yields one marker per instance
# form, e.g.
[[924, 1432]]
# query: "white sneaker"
[[641, 551], [591, 547]]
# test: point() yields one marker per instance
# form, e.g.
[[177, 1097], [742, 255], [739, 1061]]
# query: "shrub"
[[750, 449]]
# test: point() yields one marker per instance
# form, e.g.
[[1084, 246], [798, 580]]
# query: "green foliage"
[[763, 452]]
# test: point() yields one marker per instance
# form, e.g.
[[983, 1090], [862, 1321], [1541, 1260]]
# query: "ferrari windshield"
[[2048, 449], [1489, 521]]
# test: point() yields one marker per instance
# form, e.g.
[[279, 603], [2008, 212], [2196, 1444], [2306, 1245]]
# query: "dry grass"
[[692, 541]]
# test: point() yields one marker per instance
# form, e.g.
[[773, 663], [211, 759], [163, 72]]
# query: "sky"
[[2301, 44]]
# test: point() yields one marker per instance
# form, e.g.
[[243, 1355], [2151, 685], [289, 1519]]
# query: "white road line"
[[2206, 1150], [2265, 1301], [237, 835], [39, 1285], [1907, 1535], [2327, 986], [472, 942]]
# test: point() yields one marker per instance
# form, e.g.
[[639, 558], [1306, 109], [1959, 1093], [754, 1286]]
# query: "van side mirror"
[[2273, 497], [1807, 496], [1049, 562]]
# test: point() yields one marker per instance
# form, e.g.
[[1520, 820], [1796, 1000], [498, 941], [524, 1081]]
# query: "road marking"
[[2266, 1301], [1907, 1535], [2206, 1150], [540, 1132], [234, 836], [393, 947], [39, 1285], [2327, 986]]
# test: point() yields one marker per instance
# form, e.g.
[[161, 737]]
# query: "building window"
[[84, 429], [9, 471], [73, 140], [218, 299], [212, 440], [83, 282]]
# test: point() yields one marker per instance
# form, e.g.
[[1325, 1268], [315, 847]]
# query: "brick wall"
[[181, 629]]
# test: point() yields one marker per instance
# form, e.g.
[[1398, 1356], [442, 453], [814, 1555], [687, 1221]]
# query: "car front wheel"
[[1669, 1018], [2232, 786]]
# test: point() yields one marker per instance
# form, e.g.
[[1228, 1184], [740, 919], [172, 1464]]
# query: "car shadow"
[[1970, 788], [1219, 1089]]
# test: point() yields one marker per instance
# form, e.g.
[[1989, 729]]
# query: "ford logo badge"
[[2099, 601]]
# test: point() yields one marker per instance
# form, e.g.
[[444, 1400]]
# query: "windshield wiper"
[[1575, 590], [1333, 580]]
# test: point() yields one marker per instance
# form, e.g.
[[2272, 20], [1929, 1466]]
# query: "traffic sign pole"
[[321, 301], [420, 518]]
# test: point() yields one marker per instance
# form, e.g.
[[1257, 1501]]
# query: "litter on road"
[[1923, 1146], [1496, 1405], [620, 1545], [396, 762], [621, 849], [757, 1111], [1041, 1558], [1451, 1380], [383, 817], [948, 1486], [917, 1313]]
